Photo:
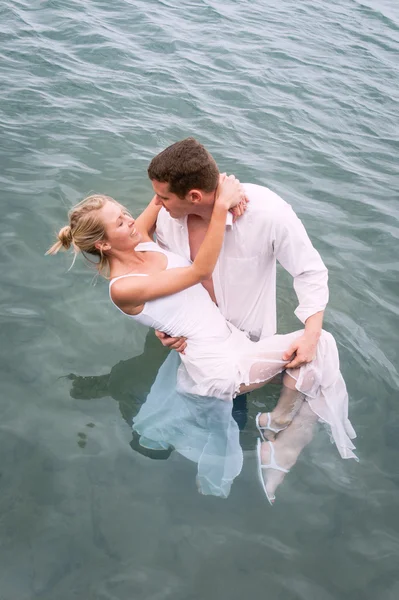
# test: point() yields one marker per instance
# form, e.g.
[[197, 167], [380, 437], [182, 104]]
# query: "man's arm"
[[295, 252]]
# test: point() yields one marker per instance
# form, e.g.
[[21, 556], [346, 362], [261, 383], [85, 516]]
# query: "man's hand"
[[301, 351], [174, 343]]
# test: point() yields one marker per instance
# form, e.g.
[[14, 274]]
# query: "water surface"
[[301, 97]]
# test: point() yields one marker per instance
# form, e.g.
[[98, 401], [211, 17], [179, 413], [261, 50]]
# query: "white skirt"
[[219, 369], [200, 429]]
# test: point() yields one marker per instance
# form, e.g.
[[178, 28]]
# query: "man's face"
[[176, 207]]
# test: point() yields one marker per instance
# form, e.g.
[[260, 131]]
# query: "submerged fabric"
[[200, 429], [219, 357], [219, 370]]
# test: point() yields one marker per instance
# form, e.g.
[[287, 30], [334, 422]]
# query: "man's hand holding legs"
[[173, 343], [303, 349]]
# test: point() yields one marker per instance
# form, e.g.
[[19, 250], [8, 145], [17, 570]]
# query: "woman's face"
[[119, 227]]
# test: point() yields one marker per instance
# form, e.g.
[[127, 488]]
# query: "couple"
[[209, 285]]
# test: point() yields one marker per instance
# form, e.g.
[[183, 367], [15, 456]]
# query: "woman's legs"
[[265, 362], [289, 403], [322, 385], [288, 446]]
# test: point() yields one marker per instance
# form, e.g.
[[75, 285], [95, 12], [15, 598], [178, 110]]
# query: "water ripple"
[[301, 97]]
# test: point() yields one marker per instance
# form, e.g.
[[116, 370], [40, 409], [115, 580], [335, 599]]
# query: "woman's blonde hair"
[[85, 229]]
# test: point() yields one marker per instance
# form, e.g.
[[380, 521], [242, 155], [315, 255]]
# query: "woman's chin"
[[137, 238]]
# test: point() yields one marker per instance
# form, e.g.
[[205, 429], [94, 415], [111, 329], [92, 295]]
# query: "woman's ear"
[[102, 246]]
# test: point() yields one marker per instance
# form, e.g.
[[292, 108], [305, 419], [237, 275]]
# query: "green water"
[[301, 97]]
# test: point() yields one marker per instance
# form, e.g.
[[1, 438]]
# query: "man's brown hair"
[[185, 165]]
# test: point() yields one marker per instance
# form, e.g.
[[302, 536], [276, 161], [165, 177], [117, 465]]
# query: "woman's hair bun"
[[65, 237]]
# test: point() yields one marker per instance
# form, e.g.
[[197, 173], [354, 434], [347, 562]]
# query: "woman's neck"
[[122, 263]]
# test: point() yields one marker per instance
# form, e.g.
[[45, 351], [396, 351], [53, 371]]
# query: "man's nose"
[[158, 201]]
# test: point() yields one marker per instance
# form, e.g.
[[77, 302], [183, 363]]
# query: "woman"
[[163, 290]]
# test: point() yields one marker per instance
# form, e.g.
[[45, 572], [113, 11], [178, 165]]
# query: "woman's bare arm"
[[131, 292], [146, 221]]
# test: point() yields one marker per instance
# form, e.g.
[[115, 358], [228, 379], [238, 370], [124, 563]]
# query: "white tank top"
[[189, 313]]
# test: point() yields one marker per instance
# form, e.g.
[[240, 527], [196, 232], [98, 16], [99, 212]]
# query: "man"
[[185, 178]]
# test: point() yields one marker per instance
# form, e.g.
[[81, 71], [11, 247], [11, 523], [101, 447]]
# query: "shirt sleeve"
[[296, 254]]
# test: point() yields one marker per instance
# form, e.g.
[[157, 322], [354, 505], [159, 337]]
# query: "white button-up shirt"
[[244, 278]]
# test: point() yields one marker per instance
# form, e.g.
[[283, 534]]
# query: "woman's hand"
[[127, 293], [230, 192], [239, 210]]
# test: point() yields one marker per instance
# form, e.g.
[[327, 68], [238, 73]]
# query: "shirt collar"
[[183, 221], [229, 220]]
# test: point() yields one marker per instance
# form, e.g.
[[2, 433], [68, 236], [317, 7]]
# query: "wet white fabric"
[[245, 274], [190, 313], [219, 357], [201, 429]]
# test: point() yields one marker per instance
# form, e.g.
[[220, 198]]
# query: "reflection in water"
[[203, 430], [128, 382]]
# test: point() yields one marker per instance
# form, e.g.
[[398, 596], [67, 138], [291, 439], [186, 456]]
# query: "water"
[[301, 97]]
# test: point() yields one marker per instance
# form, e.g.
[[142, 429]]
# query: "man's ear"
[[195, 196], [102, 246]]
